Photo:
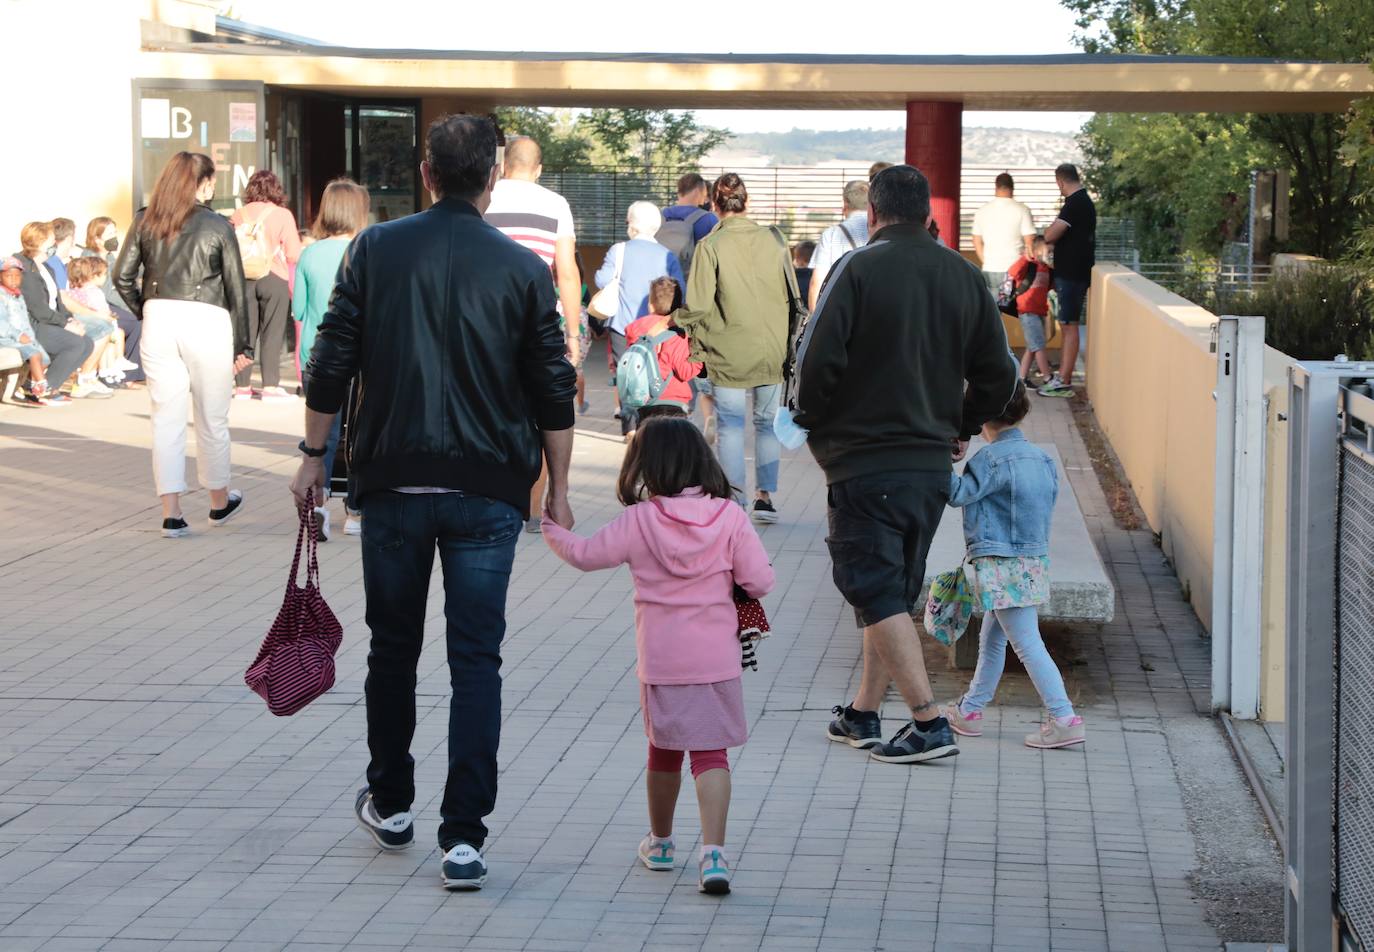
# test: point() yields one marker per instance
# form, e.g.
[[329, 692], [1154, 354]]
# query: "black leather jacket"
[[201, 263], [452, 332]]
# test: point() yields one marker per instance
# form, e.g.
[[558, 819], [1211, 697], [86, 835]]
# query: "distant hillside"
[[981, 146]]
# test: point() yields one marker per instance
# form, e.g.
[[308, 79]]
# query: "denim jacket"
[[1007, 493], [14, 319]]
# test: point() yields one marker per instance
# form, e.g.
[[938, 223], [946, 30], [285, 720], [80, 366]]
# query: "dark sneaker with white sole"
[[394, 832], [219, 517], [464, 867], [764, 513], [175, 528], [858, 729], [915, 745]]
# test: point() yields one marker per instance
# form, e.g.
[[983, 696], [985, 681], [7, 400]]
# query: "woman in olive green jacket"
[[737, 318]]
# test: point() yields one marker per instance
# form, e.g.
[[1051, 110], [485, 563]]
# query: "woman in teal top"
[[343, 213]]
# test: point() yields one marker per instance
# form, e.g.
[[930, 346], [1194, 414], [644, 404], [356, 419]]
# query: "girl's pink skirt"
[[694, 716]]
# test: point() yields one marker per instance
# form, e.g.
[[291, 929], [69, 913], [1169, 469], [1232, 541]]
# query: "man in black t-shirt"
[[1073, 236]]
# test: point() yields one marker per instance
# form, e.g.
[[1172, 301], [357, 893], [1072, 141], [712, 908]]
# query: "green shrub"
[[1315, 313]]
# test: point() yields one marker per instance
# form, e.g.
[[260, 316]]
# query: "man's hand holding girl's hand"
[[557, 510]]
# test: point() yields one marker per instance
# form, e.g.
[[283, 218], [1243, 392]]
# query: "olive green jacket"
[[737, 304]]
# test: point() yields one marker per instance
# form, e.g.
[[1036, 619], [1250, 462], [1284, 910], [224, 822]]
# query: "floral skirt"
[[694, 716], [1018, 582]]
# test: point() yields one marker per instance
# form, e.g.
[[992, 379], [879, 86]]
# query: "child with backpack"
[[1031, 278], [1007, 492], [661, 386], [688, 545]]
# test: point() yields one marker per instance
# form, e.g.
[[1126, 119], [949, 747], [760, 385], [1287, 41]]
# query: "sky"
[[809, 26]]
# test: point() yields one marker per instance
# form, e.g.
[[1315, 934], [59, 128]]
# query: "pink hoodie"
[[685, 554]]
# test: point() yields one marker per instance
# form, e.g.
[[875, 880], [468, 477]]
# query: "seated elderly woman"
[[635, 264]]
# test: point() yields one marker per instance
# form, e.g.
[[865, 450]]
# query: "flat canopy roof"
[[1072, 82]]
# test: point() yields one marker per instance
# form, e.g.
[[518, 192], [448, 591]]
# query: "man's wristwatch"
[[312, 451]]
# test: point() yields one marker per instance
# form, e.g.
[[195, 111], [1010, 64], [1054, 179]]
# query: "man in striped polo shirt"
[[540, 219]]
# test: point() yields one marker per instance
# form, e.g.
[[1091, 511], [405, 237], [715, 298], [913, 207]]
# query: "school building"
[[103, 92]]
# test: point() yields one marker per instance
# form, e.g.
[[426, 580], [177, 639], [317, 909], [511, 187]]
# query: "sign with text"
[[223, 123]]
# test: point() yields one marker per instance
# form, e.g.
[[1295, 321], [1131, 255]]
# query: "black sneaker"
[[394, 832], [175, 528], [915, 745], [464, 867], [219, 517], [860, 729], [764, 513]]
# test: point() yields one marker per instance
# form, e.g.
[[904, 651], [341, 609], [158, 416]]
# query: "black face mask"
[[111, 244]]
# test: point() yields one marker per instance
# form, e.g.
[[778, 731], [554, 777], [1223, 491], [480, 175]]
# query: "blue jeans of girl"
[[1020, 626]]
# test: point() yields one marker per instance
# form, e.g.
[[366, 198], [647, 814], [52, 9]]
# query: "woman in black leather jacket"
[[181, 274]]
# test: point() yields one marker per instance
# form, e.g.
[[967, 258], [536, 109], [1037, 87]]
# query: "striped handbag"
[[296, 662]]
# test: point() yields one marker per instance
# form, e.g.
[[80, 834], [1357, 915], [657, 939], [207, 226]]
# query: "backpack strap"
[[694, 217], [848, 237]]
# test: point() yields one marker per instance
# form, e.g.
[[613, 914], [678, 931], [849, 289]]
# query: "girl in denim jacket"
[[1007, 492]]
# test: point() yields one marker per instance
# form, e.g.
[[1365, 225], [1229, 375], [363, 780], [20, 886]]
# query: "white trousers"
[[188, 355]]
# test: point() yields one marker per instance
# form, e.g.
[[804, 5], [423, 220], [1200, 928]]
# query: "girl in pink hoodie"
[[688, 544]]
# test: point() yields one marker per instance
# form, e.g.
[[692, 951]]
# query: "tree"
[[1182, 178], [564, 144], [1358, 153], [1325, 184], [651, 140]]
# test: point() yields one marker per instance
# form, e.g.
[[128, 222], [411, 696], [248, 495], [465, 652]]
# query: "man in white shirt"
[[540, 219], [838, 240], [1002, 230]]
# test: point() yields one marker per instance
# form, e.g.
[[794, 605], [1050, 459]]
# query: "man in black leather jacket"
[[452, 333]]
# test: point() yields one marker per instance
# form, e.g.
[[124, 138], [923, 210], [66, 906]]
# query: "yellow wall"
[[58, 161], [1150, 380]]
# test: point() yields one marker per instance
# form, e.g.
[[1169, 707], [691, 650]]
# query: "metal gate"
[[1330, 762]]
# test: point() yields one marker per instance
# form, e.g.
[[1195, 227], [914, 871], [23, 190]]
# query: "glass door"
[[384, 157]]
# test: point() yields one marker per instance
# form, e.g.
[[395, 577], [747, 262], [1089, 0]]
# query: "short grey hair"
[[643, 220], [856, 195]]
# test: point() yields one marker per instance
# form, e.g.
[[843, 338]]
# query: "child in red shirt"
[[674, 355], [1032, 278]]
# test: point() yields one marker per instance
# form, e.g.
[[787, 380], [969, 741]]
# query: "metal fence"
[[803, 200], [1330, 759]]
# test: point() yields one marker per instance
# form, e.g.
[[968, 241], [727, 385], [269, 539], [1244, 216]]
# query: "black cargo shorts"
[[881, 527]]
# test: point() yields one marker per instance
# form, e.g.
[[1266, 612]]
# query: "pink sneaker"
[[1053, 734], [969, 726], [243, 393]]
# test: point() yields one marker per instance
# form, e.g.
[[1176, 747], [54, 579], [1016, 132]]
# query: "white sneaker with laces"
[[321, 524], [353, 523]]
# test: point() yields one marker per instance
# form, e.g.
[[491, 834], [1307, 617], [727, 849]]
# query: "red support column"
[[934, 144]]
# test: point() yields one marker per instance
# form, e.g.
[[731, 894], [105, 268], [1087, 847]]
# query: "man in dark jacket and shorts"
[[452, 332], [902, 362]]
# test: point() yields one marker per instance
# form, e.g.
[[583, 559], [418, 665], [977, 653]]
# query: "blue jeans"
[[475, 537], [1020, 626], [730, 406]]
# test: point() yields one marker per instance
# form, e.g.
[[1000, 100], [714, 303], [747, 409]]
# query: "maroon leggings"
[[670, 761]]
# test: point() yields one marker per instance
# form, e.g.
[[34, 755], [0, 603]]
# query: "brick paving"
[[148, 800]]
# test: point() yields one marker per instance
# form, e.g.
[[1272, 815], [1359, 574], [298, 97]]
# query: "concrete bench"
[[11, 367], [1079, 588]]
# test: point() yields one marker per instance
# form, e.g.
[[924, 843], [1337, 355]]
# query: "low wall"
[[1150, 379]]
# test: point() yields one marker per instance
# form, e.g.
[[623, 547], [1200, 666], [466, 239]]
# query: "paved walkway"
[[148, 801]]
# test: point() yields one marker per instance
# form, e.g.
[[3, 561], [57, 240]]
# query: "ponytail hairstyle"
[[174, 196], [728, 193]]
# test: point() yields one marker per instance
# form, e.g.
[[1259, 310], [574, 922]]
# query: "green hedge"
[[1310, 314], [1318, 312]]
